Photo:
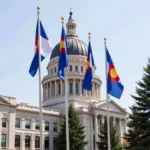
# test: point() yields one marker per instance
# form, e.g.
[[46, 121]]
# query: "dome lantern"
[[71, 26]]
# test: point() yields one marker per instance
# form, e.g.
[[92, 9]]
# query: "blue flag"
[[87, 82], [63, 59], [114, 85], [46, 48]]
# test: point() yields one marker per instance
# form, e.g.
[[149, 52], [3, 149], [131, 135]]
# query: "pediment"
[[113, 107], [4, 101]]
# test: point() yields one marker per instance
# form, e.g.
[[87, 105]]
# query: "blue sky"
[[125, 24]]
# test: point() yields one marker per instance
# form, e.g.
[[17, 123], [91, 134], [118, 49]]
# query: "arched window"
[[76, 68], [77, 89], [81, 68], [70, 89], [55, 69], [51, 71], [71, 68]]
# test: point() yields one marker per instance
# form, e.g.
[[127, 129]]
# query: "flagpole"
[[40, 95], [66, 104], [91, 133], [66, 111], [108, 124]]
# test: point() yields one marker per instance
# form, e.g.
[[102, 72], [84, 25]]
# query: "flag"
[[87, 82], [63, 60], [114, 86], [46, 48]]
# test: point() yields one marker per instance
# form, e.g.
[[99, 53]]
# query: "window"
[[4, 122], [37, 142], [17, 140], [46, 126], [71, 68], [46, 142], [81, 68], [77, 89], [17, 122], [3, 140], [27, 141], [76, 68], [52, 71], [27, 124], [54, 143], [37, 125], [55, 69], [55, 127], [70, 89], [59, 88]]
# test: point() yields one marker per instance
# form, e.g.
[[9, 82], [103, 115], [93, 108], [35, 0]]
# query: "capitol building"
[[19, 122]]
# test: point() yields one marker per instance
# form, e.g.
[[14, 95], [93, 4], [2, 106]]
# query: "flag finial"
[[89, 35], [38, 9], [105, 40], [62, 18]]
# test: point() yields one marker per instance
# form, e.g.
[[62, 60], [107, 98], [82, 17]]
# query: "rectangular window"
[[3, 140], [4, 122], [46, 142], [37, 125], [59, 88], [17, 140], [17, 123], [37, 142], [27, 125], [27, 141], [55, 126], [54, 143], [70, 89], [77, 89], [46, 126]]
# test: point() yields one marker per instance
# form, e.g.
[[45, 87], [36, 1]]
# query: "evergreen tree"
[[103, 144], [138, 136], [76, 133]]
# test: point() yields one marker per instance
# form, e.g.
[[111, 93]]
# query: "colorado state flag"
[[63, 60], [87, 82], [114, 86]]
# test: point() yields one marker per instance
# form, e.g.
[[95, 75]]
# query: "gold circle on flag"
[[113, 73]]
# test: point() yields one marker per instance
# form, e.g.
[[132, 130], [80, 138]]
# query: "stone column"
[[80, 87], [22, 142], [33, 124], [43, 125], [32, 142], [61, 87], [114, 121], [50, 90], [74, 87], [96, 131], [43, 94], [120, 130], [124, 125], [55, 88], [102, 119], [22, 125], [11, 129], [93, 89], [99, 127]]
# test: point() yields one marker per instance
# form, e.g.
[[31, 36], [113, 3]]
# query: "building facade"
[[19, 123]]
